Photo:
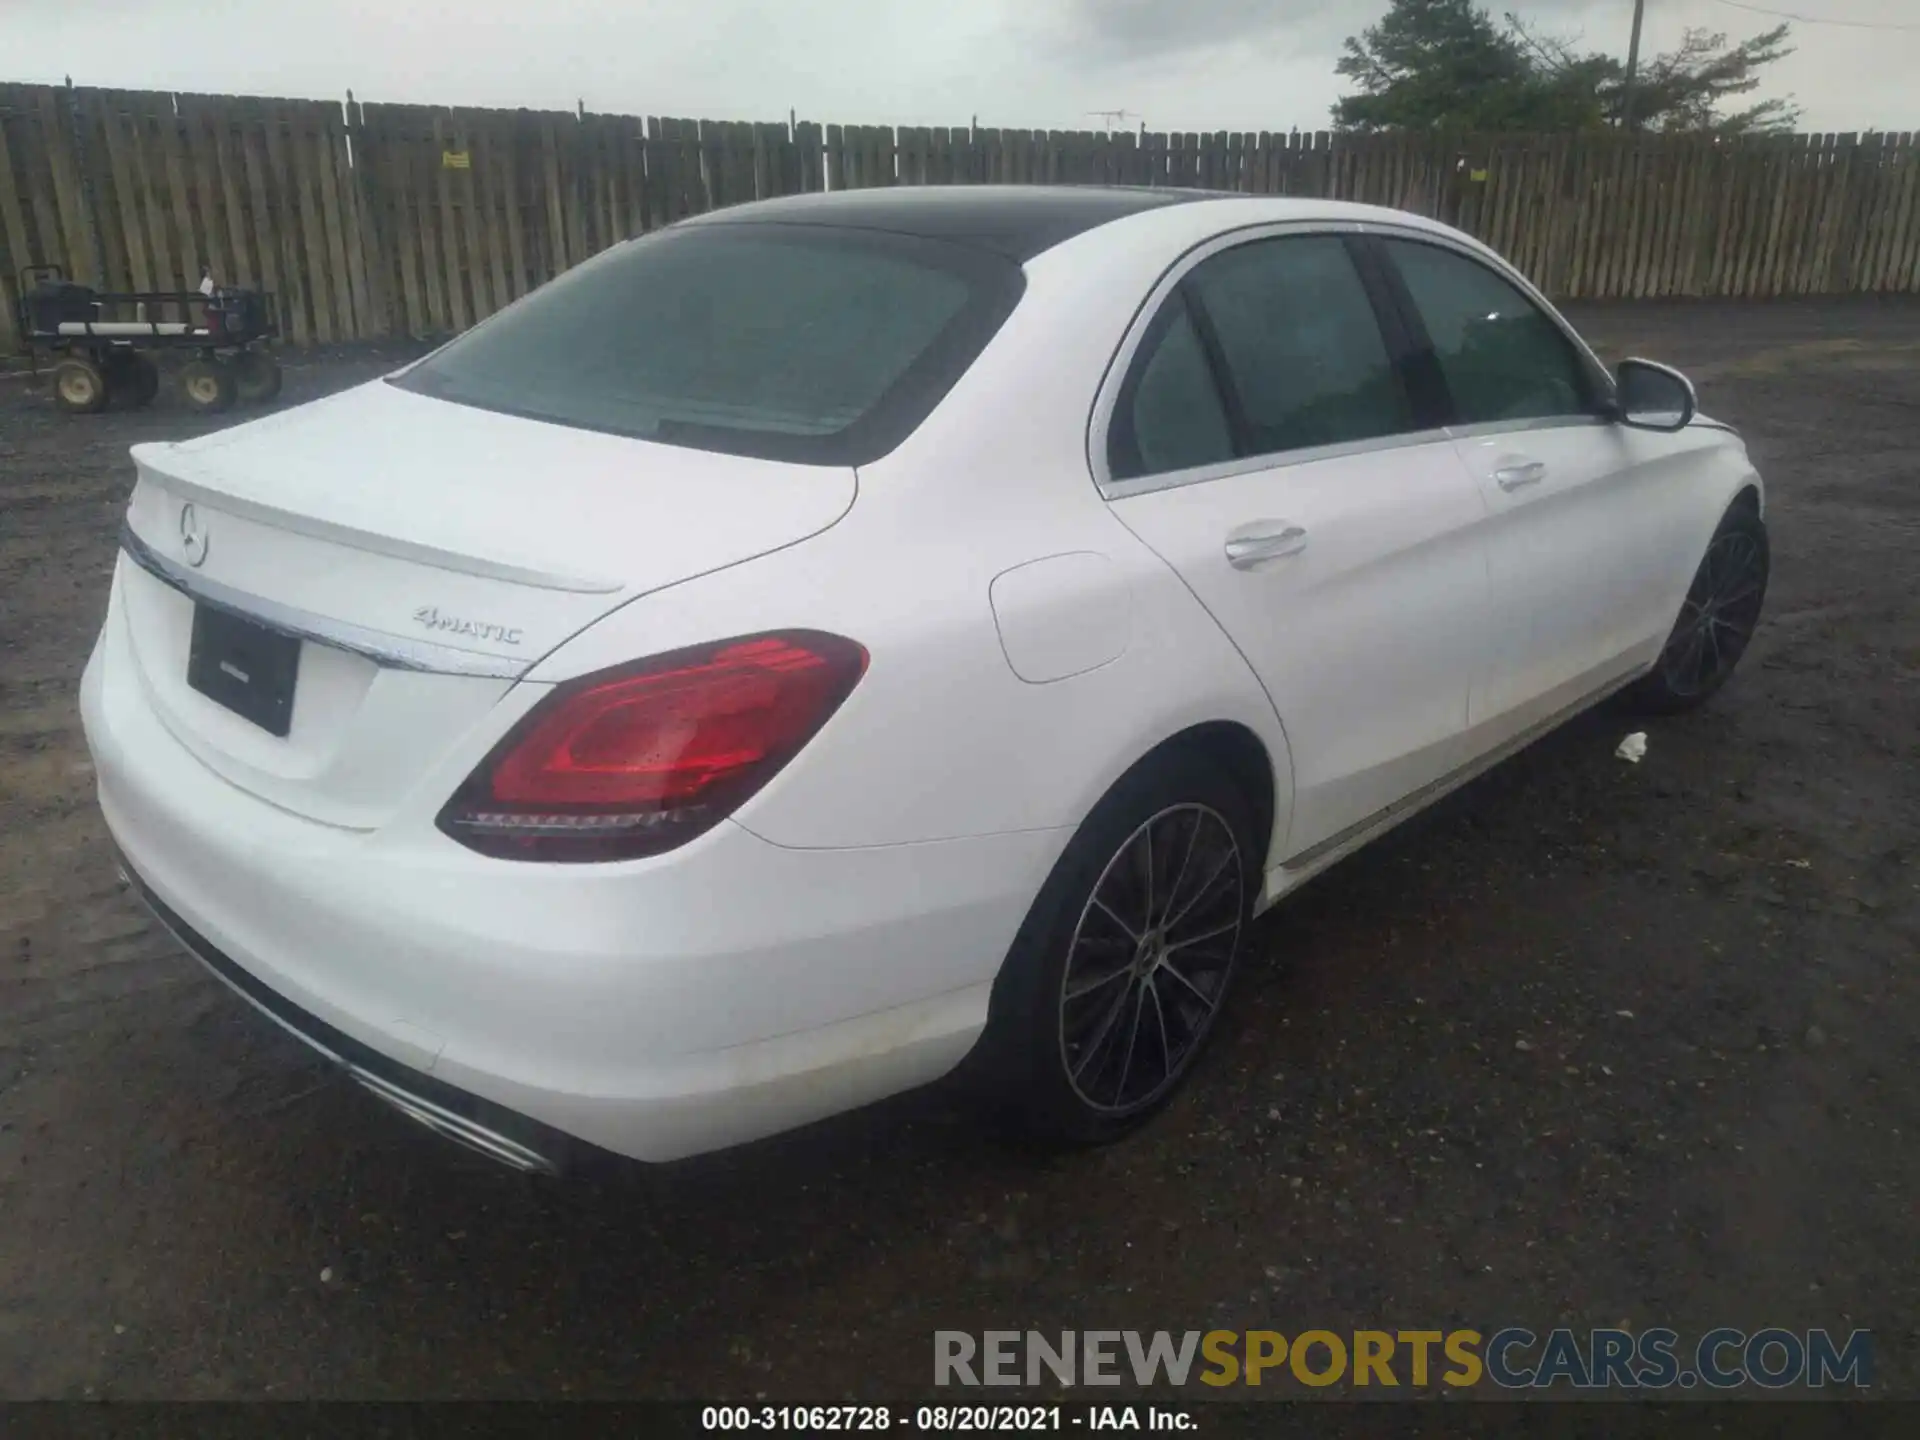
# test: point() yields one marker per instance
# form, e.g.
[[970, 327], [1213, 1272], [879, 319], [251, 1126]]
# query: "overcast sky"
[[1177, 64]]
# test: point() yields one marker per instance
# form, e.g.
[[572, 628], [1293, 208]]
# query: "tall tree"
[[1445, 62], [1682, 89], [1431, 63]]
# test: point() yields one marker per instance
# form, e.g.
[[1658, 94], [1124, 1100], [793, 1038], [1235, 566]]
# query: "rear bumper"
[[655, 1009], [500, 1134]]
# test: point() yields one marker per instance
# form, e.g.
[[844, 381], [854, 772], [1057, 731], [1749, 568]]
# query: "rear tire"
[[79, 386], [1717, 618], [1119, 973], [256, 376], [207, 386]]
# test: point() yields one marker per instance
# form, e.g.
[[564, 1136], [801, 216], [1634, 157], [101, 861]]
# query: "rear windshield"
[[792, 342]]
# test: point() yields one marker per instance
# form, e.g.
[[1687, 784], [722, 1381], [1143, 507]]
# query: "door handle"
[[1263, 540], [1520, 474]]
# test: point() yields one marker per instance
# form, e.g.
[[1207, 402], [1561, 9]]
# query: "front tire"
[[1120, 972], [1717, 619]]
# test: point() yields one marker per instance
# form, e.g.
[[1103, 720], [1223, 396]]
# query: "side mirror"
[[1653, 397]]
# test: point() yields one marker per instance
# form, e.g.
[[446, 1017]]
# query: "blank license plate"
[[244, 666]]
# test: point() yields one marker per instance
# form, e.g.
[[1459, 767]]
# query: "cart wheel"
[[207, 385], [132, 379], [78, 386], [256, 375]]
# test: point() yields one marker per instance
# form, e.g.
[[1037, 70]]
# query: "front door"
[[1569, 495]]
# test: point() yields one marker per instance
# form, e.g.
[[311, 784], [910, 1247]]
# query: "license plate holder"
[[244, 666]]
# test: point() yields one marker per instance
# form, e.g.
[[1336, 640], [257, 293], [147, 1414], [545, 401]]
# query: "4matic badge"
[[434, 619]]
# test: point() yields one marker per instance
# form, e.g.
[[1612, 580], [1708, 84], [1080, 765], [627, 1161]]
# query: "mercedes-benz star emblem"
[[193, 538]]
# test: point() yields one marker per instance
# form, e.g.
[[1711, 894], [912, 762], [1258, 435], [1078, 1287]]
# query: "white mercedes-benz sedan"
[[833, 638]]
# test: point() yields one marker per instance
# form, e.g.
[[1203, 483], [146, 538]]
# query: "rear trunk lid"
[[427, 554]]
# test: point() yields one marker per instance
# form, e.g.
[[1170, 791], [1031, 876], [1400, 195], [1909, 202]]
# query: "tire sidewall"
[[1654, 692], [1019, 1063]]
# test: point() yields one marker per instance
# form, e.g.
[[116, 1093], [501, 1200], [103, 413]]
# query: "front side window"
[[1501, 357], [791, 342]]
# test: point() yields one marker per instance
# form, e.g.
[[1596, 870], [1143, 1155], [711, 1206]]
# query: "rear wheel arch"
[[1237, 752]]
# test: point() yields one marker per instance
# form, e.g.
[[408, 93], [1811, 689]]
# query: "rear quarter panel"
[[941, 739]]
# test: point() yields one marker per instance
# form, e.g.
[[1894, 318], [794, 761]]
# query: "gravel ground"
[[1587, 1044]]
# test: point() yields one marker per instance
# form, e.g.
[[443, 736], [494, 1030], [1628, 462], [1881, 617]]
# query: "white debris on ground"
[[1633, 747]]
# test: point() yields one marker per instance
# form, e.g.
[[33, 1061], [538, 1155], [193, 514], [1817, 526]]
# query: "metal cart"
[[101, 340]]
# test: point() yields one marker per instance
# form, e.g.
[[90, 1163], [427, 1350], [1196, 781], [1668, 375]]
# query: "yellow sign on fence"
[[455, 160]]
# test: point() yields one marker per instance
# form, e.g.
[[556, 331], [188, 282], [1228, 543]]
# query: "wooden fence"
[[372, 220]]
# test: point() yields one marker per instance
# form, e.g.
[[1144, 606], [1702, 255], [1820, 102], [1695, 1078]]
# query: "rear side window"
[[1170, 416], [1268, 347], [795, 343], [1302, 346], [1501, 357]]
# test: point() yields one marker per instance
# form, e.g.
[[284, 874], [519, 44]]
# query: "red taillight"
[[637, 760]]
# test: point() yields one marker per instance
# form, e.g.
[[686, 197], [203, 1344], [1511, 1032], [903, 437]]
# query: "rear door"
[[1265, 441], [1572, 499]]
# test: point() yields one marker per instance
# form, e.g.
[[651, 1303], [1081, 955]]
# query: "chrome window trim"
[[390, 652], [1273, 460], [1535, 422], [1122, 361], [1110, 385]]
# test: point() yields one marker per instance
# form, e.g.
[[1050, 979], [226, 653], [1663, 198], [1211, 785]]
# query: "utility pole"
[[1633, 66]]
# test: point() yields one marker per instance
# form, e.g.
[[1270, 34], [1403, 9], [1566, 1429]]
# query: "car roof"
[[1016, 221]]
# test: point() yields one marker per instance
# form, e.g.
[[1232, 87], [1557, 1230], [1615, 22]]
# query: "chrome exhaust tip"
[[458, 1128]]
